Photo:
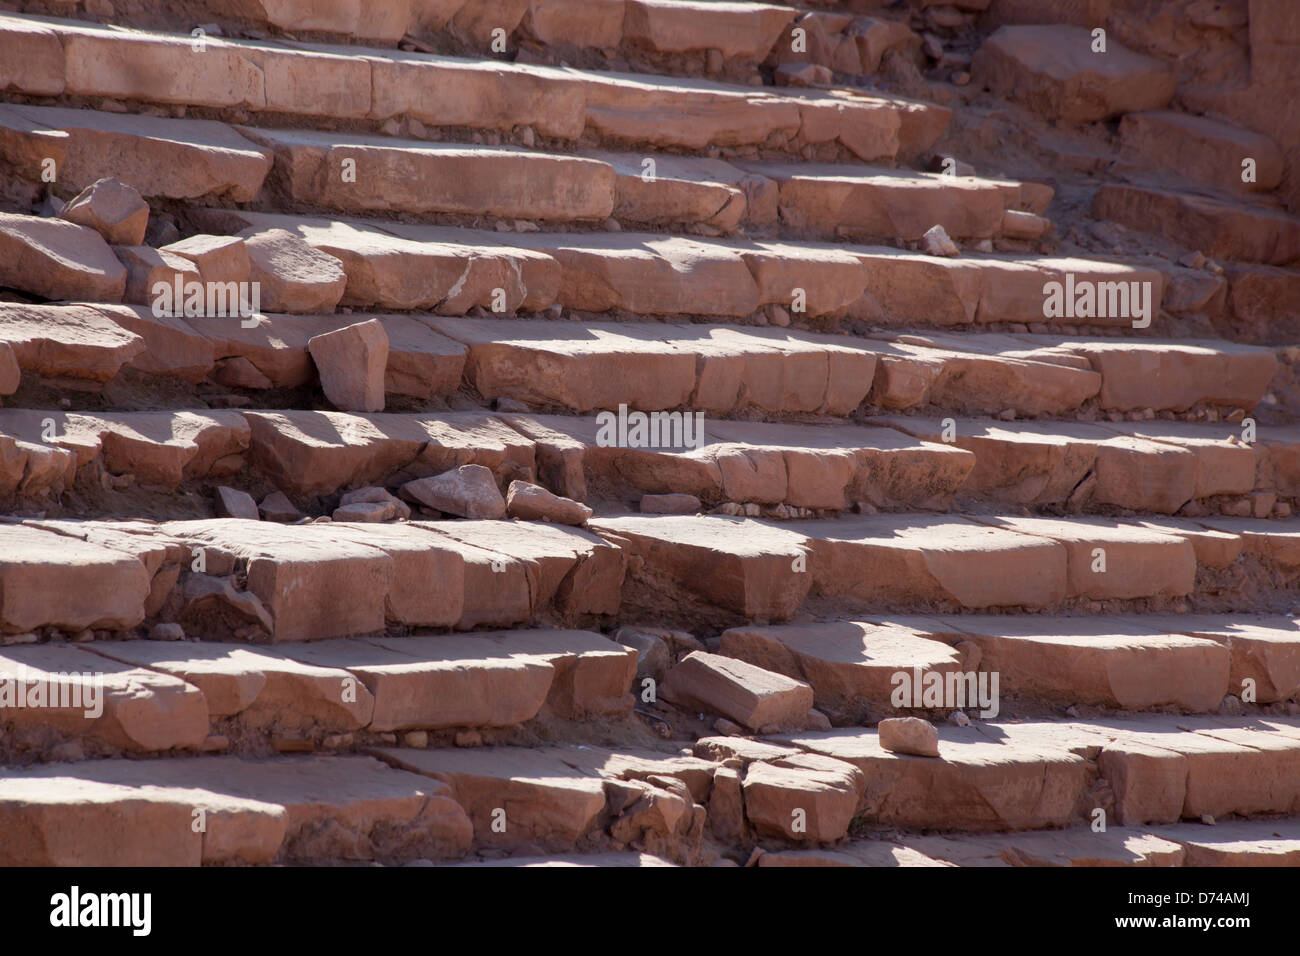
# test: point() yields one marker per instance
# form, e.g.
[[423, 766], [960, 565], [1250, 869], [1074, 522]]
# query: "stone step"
[[1219, 228], [914, 289], [299, 809], [1039, 775], [709, 196], [769, 464], [314, 454], [1076, 846], [150, 696], [85, 346], [651, 366], [847, 201], [1275, 543], [160, 157], [721, 568], [160, 449], [764, 572], [412, 574], [405, 266], [58, 581], [1100, 662], [820, 200], [70, 346], [320, 81], [850, 664], [642, 273], [1208, 151], [1264, 301], [662, 30], [560, 798], [446, 270], [356, 173], [1054, 71], [1236, 842], [1129, 663], [229, 578], [440, 804], [719, 369], [57, 259], [1136, 374], [1263, 649], [1258, 842], [67, 701], [675, 37], [1155, 466], [321, 453]]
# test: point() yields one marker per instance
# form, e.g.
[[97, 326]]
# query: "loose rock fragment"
[[909, 735], [115, 211], [534, 503], [469, 491]]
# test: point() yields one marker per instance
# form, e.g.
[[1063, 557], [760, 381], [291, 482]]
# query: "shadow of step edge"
[[346, 82], [309, 809], [141, 697]]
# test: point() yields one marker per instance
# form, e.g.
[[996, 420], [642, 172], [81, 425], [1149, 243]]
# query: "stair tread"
[[140, 812], [970, 786], [365, 82], [764, 571], [647, 272], [1126, 662], [1219, 227]]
